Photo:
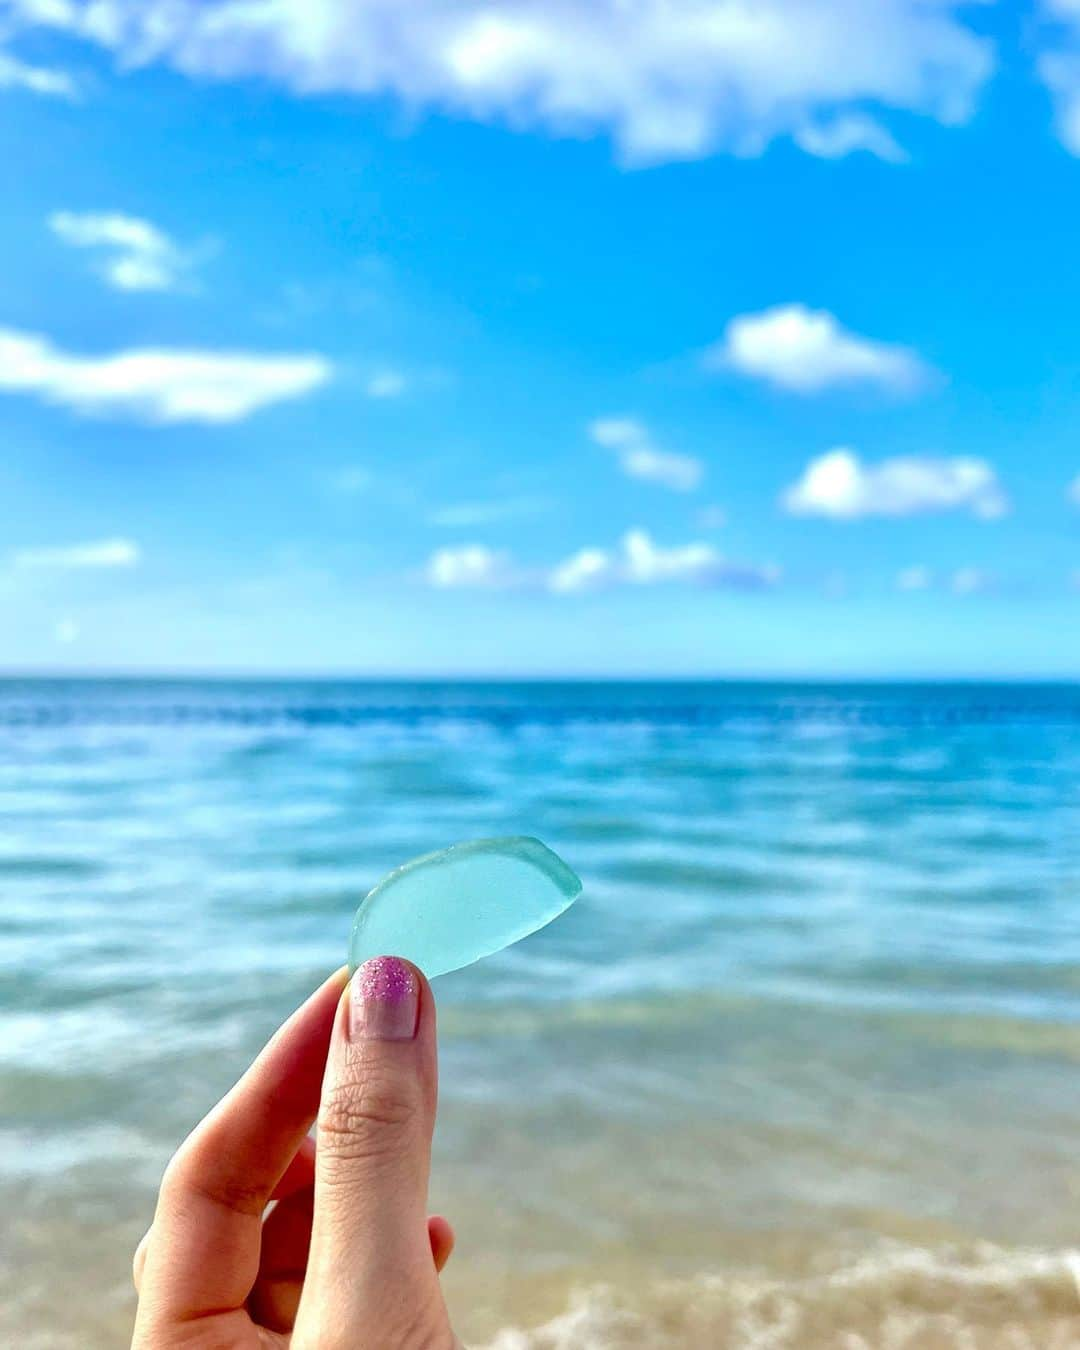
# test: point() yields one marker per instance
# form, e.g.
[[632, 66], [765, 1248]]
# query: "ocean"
[[800, 1069]]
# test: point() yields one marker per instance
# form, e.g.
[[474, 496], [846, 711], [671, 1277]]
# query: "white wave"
[[983, 1298]]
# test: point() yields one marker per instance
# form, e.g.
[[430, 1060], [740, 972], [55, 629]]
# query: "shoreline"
[[959, 1296]]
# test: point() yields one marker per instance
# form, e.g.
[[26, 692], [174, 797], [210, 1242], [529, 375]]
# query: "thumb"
[[370, 1278]]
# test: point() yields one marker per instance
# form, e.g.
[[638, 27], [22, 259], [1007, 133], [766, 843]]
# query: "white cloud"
[[964, 581], [386, 384], [970, 581], [638, 561], [72, 557], [1074, 491], [639, 457], [137, 256], [470, 565], [839, 485], [677, 80], [66, 631], [635, 561], [806, 351], [43, 80], [916, 578], [585, 570], [1059, 67], [646, 563], [845, 135], [156, 384]]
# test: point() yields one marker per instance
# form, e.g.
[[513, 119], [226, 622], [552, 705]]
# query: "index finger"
[[203, 1254]]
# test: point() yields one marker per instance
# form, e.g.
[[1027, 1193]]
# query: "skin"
[[346, 1258]]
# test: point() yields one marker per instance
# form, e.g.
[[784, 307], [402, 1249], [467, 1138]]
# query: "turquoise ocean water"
[[801, 1069]]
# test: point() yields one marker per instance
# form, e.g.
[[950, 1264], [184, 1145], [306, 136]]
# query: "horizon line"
[[12, 675]]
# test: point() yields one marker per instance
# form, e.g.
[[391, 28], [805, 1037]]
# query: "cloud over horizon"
[[635, 561], [639, 561], [840, 486]]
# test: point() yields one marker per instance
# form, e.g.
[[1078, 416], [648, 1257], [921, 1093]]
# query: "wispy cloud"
[[156, 384], [845, 135], [915, 578], [469, 515], [640, 457], [1073, 491], [386, 384], [44, 80], [73, 557], [840, 486], [807, 351], [962, 581], [469, 566], [667, 82], [970, 581], [135, 255], [1059, 67]]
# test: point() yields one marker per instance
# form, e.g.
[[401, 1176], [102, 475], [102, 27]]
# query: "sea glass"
[[448, 909]]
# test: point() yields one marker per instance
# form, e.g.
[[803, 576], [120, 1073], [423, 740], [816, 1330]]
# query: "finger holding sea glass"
[[446, 910]]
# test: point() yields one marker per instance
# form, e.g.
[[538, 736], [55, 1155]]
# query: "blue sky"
[[525, 339]]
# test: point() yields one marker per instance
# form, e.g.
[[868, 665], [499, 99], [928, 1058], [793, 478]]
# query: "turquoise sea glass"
[[448, 909]]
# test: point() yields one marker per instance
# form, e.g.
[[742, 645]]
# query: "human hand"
[[346, 1259]]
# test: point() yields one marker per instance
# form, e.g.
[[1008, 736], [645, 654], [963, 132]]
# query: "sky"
[[540, 339]]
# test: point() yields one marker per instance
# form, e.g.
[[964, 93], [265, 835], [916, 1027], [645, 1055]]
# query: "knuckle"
[[366, 1116], [194, 1174]]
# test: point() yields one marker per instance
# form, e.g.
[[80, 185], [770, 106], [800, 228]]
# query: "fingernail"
[[384, 1001]]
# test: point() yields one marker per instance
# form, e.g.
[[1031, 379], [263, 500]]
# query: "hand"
[[346, 1259]]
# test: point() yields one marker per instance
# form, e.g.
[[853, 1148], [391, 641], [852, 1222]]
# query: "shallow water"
[[802, 1067]]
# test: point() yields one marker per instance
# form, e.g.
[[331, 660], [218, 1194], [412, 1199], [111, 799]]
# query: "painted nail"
[[384, 1001]]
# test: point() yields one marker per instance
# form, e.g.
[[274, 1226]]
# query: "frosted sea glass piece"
[[448, 909]]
